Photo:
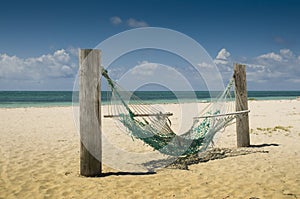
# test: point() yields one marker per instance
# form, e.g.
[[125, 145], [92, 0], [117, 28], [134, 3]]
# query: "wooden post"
[[90, 113], [241, 103]]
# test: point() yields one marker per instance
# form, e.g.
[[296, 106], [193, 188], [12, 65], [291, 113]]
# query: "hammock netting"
[[149, 124]]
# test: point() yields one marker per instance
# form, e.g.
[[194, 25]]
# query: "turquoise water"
[[13, 99]]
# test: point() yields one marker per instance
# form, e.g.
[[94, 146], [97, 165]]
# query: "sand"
[[39, 158]]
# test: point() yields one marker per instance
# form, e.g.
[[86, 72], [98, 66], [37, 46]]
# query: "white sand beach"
[[39, 158]]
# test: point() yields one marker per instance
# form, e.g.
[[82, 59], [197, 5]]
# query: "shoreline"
[[146, 103]]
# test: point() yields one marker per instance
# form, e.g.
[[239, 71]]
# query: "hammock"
[[153, 127]]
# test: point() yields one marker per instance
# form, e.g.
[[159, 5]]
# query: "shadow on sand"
[[126, 173], [212, 154], [184, 162], [263, 145]]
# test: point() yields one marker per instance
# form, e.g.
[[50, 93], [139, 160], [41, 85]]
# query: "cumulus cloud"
[[220, 62], [286, 53], [270, 56], [294, 81], [276, 70], [133, 23], [281, 69], [223, 54], [224, 63], [73, 51], [115, 20], [50, 66], [223, 57], [286, 62], [205, 65], [144, 68], [154, 75]]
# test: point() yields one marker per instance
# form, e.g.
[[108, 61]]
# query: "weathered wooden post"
[[241, 104], [90, 113]]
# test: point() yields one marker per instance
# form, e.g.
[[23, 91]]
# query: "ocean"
[[14, 99]]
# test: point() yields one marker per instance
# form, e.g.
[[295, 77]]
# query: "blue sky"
[[39, 39]]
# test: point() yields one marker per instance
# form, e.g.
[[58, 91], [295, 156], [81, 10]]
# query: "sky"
[[39, 40]]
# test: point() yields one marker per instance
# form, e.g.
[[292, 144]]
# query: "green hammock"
[[149, 124]]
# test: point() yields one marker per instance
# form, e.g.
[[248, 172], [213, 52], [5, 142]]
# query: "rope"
[[149, 124]]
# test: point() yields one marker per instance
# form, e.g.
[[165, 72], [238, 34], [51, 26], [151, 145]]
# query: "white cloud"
[[67, 70], [223, 54], [154, 75], [295, 81], [224, 63], [61, 56], [73, 51], [257, 68], [133, 23], [144, 68], [205, 65], [56, 65], [270, 56], [276, 70], [115, 20], [222, 59], [220, 62], [279, 69], [286, 53]]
